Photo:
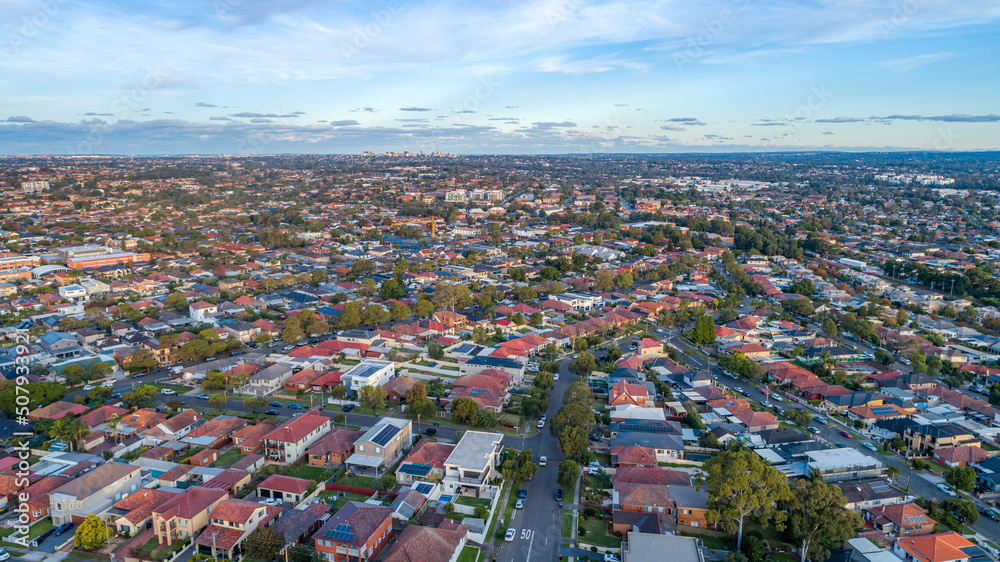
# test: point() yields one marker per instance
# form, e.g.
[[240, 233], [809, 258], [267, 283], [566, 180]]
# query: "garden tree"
[[254, 404], [387, 481], [479, 334], [817, 517], [423, 407], [194, 350], [424, 308], [292, 332], [350, 316], [754, 547], [569, 471], [217, 401], [550, 351], [144, 359], [536, 318], [800, 418], [517, 318], [302, 553], [415, 392], [964, 511], [368, 288], [584, 365], [830, 328], [727, 315], [372, 397], [708, 440], [464, 410], [264, 543], [315, 326], [578, 392], [604, 281], [98, 371], [375, 314], [435, 351], [571, 415], [338, 392], [486, 419], [399, 311], [704, 330], [74, 375], [175, 302], [481, 512], [91, 534], [141, 397], [691, 416], [526, 465], [740, 484], [549, 273], [98, 394], [526, 293], [214, 380], [884, 357], [961, 478], [573, 441], [892, 471], [70, 429], [391, 289], [624, 280], [319, 277], [802, 307], [339, 417], [452, 296], [579, 344]]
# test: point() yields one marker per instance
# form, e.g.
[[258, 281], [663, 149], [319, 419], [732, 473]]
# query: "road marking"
[[531, 542]]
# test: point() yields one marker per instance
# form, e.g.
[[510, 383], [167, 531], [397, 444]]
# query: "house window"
[[361, 448], [378, 450], [694, 523], [687, 512]]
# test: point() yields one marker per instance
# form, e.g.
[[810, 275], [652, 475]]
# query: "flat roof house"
[[93, 492], [368, 373], [472, 464]]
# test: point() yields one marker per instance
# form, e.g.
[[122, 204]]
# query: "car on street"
[[4, 555], [509, 535], [846, 434], [819, 419], [813, 429], [611, 557], [990, 513], [542, 460], [777, 397], [270, 412], [519, 504], [543, 417], [116, 395], [947, 489], [89, 387], [107, 384], [202, 396], [431, 431], [275, 404], [348, 407], [522, 493], [62, 529], [541, 424], [870, 447], [559, 494], [294, 406], [168, 392], [555, 377]]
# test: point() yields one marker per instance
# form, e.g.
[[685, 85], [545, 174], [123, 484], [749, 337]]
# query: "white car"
[[542, 461], [509, 536], [168, 392], [541, 424], [4, 555], [611, 557], [947, 489], [89, 387], [870, 447], [777, 397], [555, 377], [107, 384]]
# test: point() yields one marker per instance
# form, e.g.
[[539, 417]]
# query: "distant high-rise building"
[[34, 186]]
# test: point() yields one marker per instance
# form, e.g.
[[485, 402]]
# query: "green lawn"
[[567, 523], [317, 473], [713, 542], [468, 554], [597, 533], [360, 482], [33, 531], [471, 501], [340, 501], [177, 389], [229, 457]]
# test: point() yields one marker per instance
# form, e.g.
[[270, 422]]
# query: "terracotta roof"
[[337, 441], [175, 473], [246, 461], [285, 484], [218, 427], [140, 504], [191, 502], [645, 495], [181, 420], [363, 519], [966, 454], [426, 544], [235, 510], [651, 476], [298, 428], [430, 452], [942, 547]]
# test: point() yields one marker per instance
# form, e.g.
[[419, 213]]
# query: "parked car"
[[846, 434], [947, 489], [541, 424], [559, 494], [4, 555], [522, 493], [509, 536], [348, 407], [777, 397], [991, 514], [819, 419], [107, 384], [813, 429], [89, 387], [276, 404], [270, 412], [202, 396], [168, 392], [519, 504], [295, 406], [555, 376], [542, 461], [870, 447], [430, 431], [62, 529]]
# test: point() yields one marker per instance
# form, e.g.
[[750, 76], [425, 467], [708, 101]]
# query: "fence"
[[350, 489]]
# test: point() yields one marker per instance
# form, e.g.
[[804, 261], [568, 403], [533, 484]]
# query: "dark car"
[[116, 395], [348, 407], [430, 431], [559, 494], [594, 437], [271, 412], [275, 404], [62, 529], [295, 406], [522, 493]]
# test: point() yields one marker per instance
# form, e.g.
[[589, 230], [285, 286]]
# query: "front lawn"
[[567, 523], [229, 457], [471, 501], [360, 482], [468, 554], [33, 531], [597, 533]]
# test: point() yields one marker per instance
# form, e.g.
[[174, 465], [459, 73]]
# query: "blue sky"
[[497, 76]]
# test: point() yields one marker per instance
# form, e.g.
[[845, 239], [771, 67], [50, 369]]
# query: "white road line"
[[531, 542]]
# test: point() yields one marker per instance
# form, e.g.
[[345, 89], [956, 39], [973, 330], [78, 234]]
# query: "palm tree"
[[113, 424], [70, 429]]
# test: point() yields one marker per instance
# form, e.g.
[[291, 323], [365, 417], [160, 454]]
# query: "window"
[[687, 512], [378, 449], [694, 523], [361, 448]]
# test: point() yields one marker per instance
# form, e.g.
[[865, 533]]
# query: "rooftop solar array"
[[385, 435], [341, 533], [476, 391], [416, 469], [913, 519], [883, 410], [424, 488], [879, 487]]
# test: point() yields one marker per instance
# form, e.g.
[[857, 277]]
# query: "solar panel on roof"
[[476, 391], [883, 410], [416, 469], [879, 487], [913, 519], [343, 528], [385, 435], [424, 488]]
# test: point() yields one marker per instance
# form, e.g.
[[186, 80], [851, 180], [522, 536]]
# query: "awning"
[[365, 460]]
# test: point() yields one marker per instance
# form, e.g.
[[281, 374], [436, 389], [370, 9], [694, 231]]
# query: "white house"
[[579, 301], [369, 373], [202, 311]]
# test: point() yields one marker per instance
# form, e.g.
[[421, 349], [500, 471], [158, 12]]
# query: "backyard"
[[309, 472]]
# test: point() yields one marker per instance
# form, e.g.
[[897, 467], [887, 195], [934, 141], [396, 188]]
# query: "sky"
[[497, 76]]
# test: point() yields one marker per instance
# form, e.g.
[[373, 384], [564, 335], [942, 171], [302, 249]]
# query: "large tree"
[[372, 397], [91, 534], [464, 410], [569, 471], [584, 365], [817, 517], [264, 543], [961, 478], [741, 484], [573, 441]]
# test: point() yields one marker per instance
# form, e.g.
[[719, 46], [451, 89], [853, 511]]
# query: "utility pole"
[[908, 475]]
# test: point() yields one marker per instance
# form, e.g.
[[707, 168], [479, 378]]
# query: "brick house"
[[357, 532]]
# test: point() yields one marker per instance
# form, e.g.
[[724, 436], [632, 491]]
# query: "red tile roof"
[[285, 484]]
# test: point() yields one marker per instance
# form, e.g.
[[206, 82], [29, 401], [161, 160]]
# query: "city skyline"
[[563, 76]]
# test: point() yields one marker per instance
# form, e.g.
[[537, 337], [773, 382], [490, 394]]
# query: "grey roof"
[[474, 449]]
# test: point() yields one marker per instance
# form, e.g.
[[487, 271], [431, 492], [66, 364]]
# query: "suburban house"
[[472, 464], [92, 492], [428, 544], [642, 497], [230, 523], [135, 511], [358, 531], [250, 438], [379, 447], [691, 506], [901, 520], [38, 496], [368, 373], [288, 443], [186, 513], [942, 547], [480, 363], [269, 379], [334, 448], [246, 332], [203, 312], [425, 462]]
